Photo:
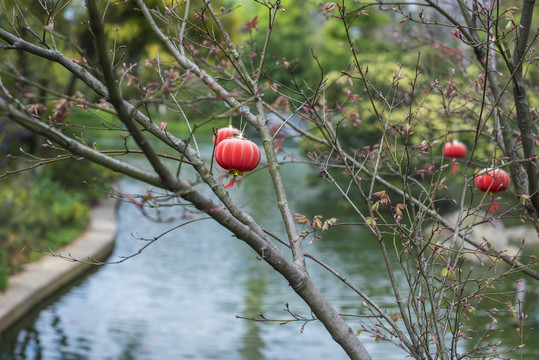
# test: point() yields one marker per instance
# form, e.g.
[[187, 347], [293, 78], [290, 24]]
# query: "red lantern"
[[456, 150], [237, 155], [492, 181], [225, 133]]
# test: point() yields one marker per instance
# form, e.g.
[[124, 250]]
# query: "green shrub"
[[4, 272], [44, 209]]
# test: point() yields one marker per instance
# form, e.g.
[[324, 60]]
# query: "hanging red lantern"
[[237, 155], [492, 181], [225, 133], [456, 150]]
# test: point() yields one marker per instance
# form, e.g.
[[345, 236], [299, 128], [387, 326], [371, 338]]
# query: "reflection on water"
[[180, 297], [255, 287]]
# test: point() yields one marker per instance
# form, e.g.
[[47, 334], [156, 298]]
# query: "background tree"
[[393, 179]]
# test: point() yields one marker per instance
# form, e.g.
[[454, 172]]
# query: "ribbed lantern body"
[[237, 155], [455, 149], [225, 133], [492, 180]]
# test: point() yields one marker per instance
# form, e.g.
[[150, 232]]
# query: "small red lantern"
[[225, 133], [492, 181], [456, 150], [237, 155]]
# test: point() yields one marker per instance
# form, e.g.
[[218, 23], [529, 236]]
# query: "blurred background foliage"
[[309, 47]]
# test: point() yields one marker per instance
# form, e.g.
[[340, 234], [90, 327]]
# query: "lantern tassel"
[[454, 169], [493, 206], [230, 184], [236, 173]]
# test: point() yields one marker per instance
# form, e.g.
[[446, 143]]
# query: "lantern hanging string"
[[214, 145]]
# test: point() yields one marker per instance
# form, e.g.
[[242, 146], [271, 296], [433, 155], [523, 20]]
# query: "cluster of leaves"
[[314, 225]]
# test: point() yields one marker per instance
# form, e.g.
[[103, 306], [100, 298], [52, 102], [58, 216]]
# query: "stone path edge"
[[41, 279]]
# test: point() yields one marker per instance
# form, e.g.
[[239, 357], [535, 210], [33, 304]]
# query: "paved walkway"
[[41, 279]]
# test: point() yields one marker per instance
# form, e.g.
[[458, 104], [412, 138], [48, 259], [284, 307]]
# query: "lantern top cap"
[[490, 169]]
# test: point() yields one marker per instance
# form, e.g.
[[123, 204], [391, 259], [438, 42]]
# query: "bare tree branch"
[[117, 101]]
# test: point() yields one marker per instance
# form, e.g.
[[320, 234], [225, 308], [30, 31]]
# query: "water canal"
[[180, 297]]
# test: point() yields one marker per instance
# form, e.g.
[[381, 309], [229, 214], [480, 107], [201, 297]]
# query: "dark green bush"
[[4, 272]]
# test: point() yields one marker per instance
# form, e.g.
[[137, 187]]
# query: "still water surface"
[[180, 297]]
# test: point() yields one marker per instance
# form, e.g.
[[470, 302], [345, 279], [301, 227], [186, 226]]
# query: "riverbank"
[[41, 279]]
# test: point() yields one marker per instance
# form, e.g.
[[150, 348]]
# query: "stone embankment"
[[41, 279]]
